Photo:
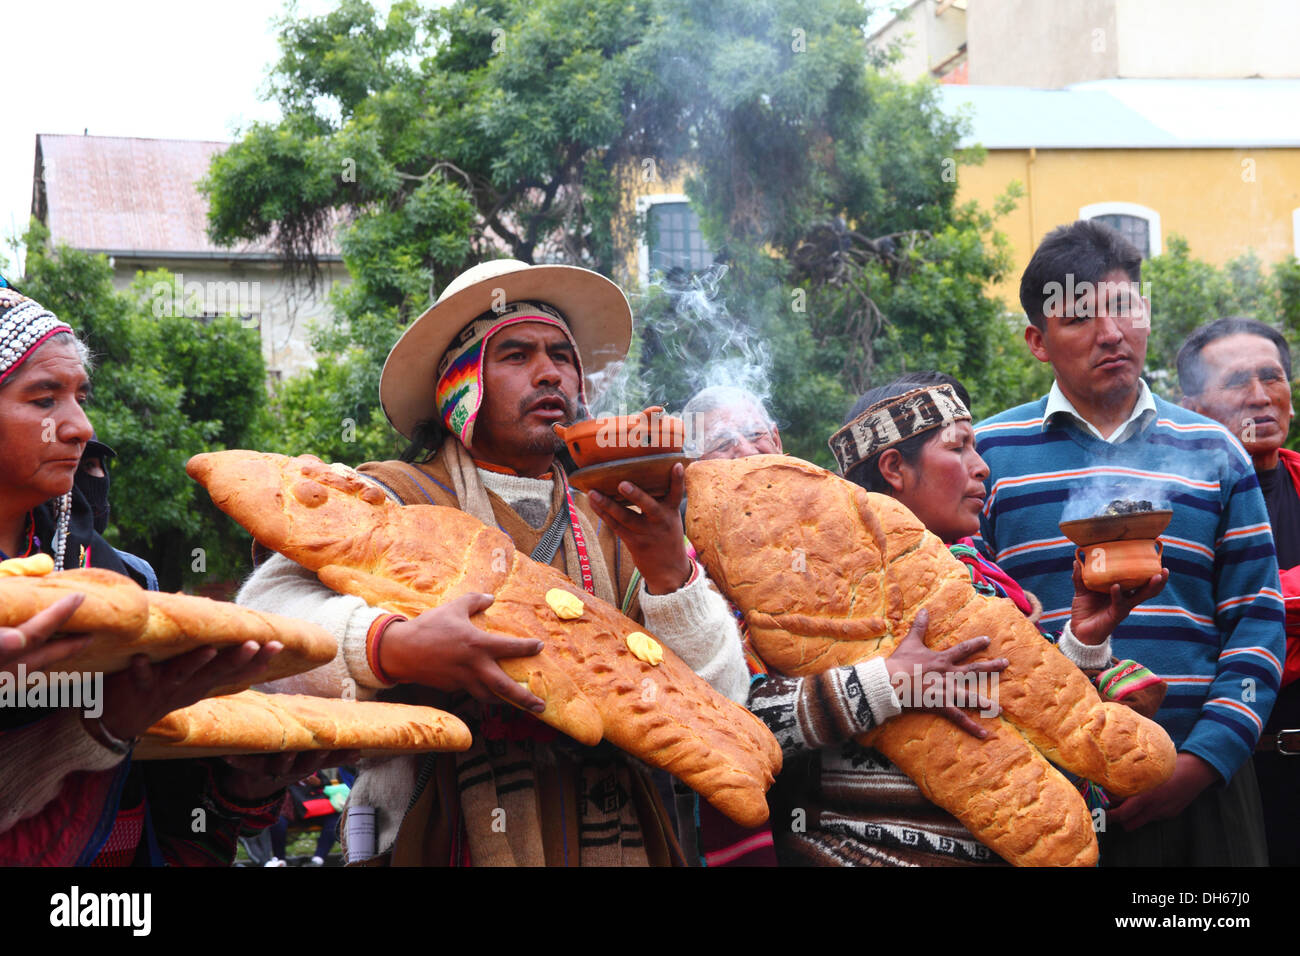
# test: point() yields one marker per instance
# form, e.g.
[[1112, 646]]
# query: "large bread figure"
[[125, 620], [828, 574], [410, 559], [255, 723]]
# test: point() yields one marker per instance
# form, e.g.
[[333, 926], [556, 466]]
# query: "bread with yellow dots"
[[641, 698]]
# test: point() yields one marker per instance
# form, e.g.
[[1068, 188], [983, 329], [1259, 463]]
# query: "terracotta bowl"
[[1118, 549], [615, 437], [1129, 563], [1141, 524]]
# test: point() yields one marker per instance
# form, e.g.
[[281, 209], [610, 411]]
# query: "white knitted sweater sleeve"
[[283, 587], [695, 622]]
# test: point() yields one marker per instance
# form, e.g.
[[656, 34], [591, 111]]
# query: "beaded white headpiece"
[[24, 326]]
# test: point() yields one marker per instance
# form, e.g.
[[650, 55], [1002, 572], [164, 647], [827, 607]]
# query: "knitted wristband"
[[233, 808], [1124, 678], [373, 637]]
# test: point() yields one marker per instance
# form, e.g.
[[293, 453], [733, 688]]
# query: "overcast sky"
[[170, 69]]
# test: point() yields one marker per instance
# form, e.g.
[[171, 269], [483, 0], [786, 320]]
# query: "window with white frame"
[[672, 238], [1140, 225]]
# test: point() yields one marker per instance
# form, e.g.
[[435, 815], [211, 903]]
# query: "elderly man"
[[1238, 372], [726, 421], [477, 383], [1216, 635]]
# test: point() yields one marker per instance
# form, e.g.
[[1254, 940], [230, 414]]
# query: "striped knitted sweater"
[[1215, 632]]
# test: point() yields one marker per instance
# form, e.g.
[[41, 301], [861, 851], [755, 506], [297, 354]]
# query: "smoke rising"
[[1090, 496], [686, 339]]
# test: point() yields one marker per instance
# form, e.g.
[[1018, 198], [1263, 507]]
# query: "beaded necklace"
[[61, 530]]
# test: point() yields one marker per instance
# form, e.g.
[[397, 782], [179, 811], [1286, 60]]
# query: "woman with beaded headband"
[[912, 439], [69, 793]]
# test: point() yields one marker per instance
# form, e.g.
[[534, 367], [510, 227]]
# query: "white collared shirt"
[[1144, 409]]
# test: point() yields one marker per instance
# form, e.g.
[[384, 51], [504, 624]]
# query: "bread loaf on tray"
[[409, 559], [256, 723], [865, 565], [125, 620]]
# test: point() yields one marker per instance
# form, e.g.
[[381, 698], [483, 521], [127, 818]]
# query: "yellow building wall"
[[1223, 201], [637, 181]]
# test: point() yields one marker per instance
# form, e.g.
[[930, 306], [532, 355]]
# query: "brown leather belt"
[[1284, 742]]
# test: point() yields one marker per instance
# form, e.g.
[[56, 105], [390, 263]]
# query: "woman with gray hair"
[[68, 793]]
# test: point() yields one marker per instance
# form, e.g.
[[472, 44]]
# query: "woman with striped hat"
[[912, 440]]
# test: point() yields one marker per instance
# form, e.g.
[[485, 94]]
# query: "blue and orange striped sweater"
[[1215, 633]]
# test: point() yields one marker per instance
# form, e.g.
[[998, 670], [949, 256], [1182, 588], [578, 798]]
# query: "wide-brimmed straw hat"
[[596, 310]]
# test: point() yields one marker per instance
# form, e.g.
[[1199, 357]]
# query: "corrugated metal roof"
[[122, 195], [1132, 114]]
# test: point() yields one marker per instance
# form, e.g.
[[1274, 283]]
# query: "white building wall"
[[1050, 44], [285, 312], [926, 40], [1036, 44], [1208, 38]]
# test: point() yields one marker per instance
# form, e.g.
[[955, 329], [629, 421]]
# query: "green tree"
[[164, 387], [1187, 293], [448, 136], [829, 189], [436, 138]]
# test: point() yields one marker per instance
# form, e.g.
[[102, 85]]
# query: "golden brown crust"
[[868, 567], [409, 559], [1021, 806], [126, 620], [113, 603], [253, 723]]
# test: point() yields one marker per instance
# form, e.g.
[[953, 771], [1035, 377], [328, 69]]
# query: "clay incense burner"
[[616, 437], [641, 448], [1123, 549]]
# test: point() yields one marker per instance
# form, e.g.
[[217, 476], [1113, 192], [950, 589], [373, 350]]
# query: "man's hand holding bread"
[[138, 697], [442, 649]]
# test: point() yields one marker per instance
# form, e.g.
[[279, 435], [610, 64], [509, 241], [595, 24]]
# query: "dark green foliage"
[[1187, 293], [446, 136]]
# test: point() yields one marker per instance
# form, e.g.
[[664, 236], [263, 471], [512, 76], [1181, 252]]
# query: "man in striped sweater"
[[1216, 633]]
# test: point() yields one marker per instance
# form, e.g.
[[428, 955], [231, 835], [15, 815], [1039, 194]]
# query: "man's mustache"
[[528, 401]]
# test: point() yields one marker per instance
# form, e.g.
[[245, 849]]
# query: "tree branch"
[[437, 168]]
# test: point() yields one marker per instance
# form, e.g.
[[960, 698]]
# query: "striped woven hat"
[[595, 312], [894, 420]]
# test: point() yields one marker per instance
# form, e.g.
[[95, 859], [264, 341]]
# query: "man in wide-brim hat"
[[476, 383]]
